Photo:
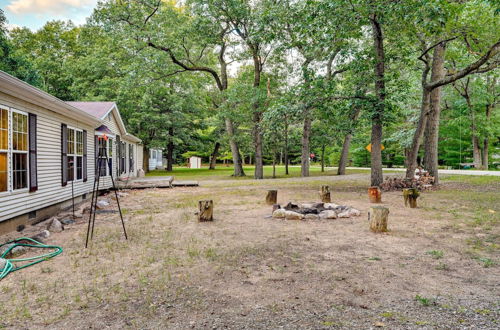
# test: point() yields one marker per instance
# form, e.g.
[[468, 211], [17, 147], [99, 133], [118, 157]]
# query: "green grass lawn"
[[222, 172], [471, 179]]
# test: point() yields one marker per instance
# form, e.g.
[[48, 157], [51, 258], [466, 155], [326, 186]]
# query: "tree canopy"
[[290, 82]]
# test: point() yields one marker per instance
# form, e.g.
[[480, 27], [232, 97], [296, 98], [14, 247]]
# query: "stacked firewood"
[[423, 181]]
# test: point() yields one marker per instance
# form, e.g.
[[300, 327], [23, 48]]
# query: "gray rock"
[[291, 215], [102, 204], [3, 262], [328, 214], [354, 212], [344, 214], [279, 213], [55, 226], [330, 206], [311, 216]]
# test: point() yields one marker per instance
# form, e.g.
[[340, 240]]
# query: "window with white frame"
[[13, 150], [75, 154]]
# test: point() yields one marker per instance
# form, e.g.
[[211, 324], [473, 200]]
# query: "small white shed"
[[194, 162]]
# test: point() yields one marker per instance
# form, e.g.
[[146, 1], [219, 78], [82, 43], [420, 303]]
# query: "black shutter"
[[96, 153], [64, 154], [119, 154], [84, 161], [32, 159]]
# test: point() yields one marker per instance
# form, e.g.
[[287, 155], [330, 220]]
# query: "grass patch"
[[436, 254], [223, 172], [425, 301]]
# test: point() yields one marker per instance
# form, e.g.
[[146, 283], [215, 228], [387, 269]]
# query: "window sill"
[[14, 192]]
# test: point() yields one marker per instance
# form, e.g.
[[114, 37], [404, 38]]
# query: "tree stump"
[[378, 218], [410, 196], [206, 210], [272, 197], [325, 194], [375, 195]]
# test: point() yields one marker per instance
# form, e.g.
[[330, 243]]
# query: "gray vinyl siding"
[[50, 190]]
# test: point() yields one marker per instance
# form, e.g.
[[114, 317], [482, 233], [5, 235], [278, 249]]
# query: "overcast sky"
[[34, 13]]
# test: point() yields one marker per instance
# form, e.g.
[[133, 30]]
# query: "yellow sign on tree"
[[369, 147]]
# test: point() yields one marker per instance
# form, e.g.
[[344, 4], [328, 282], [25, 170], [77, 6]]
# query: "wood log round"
[[272, 197], [410, 196], [325, 194], [375, 195], [378, 216], [206, 210]]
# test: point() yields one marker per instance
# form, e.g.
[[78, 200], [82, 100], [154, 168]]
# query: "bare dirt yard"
[[437, 267]]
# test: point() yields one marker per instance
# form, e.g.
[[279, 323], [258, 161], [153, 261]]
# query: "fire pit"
[[313, 211]]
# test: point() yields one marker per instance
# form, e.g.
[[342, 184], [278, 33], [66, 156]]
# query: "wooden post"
[[272, 197], [206, 210], [410, 196], [375, 195], [325, 194], [378, 218]]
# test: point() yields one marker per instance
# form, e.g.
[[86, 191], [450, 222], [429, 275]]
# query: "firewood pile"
[[423, 181], [313, 211]]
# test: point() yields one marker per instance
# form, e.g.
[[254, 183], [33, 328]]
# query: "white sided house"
[[123, 149], [47, 149]]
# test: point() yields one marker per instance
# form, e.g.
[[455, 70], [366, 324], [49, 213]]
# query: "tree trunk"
[[274, 164], [432, 126], [145, 159], [325, 194], [235, 151], [347, 143], [376, 137], [492, 84], [272, 197], [286, 145], [257, 113], [205, 210], [411, 160], [170, 150], [476, 148], [410, 197], [304, 160], [378, 216], [344, 154], [213, 157], [322, 158], [375, 195], [485, 160], [257, 136]]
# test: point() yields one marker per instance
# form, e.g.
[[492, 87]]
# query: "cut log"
[[325, 194], [206, 210], [378, 218], [410, 196], [375, 195], [272, 197]]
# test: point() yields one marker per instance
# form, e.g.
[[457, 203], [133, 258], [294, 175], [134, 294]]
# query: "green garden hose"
[[9, 264]]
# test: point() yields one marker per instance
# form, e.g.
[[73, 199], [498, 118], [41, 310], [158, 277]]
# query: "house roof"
[[18, 88], [100, 110], [96, 109]]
